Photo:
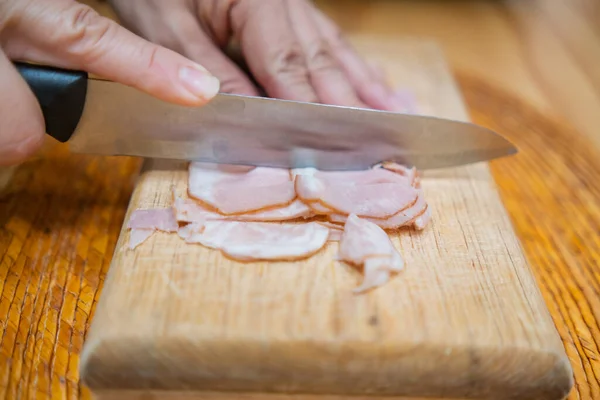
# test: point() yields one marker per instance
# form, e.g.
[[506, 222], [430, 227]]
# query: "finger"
[[329, 81], [370, 87], [272, 50], [175, 26], [68, 34], [231, 77], [22, 130]]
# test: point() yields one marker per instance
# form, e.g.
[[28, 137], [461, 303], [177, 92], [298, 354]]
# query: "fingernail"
[[199, 82]]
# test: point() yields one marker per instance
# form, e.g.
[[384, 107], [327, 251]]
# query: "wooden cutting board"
[[464, 320]]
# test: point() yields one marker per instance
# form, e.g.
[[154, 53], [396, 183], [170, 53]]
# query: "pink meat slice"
[[319, 208], [408, 173], [162, 219], [187, 210], [296, 209], [256, 241], [144, 222], [237, 190], [335, 230], [378, 174], [186, 231], [366, 177], [421, 221], [405, 217], [377, 200], [365, 244]]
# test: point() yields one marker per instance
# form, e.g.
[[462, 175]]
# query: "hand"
[[67, 34], [291, 49]]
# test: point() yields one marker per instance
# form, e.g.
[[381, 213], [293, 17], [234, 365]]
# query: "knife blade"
[[96, 116]]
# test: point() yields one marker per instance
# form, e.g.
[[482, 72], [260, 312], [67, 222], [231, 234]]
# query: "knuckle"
[[86, 33], [288, 75], [321, 59], [152, 56], [289, 61]]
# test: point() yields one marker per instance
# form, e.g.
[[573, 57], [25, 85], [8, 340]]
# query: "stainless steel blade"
[[119, 120]]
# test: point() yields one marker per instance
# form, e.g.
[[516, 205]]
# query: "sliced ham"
[[319, 208], [296, 209], [408, 173], [187, 231], [162, 219], [365, 244], [187, 210], [237, 190], [370, 176], [335, 230], [421, 221], [406, 217], [256, 241], [144, 222], [376, 200], [270, 214]]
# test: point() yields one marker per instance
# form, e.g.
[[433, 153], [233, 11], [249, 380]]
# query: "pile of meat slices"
[[258, 214]]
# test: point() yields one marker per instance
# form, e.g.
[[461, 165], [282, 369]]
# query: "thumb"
[[67, 34]]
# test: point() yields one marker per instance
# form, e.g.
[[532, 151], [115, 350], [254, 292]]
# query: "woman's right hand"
[[67, 34]]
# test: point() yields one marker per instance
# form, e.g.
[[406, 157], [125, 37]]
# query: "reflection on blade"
[[259, 131]]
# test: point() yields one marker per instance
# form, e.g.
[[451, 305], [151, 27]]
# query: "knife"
[[97, 116]]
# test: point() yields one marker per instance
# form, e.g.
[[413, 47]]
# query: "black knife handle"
[[61, 94]]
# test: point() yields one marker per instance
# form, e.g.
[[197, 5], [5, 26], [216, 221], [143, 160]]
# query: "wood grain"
[[464, 320], [58, 224]]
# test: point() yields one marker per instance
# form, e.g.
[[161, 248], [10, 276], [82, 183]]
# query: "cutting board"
[[464, 320]]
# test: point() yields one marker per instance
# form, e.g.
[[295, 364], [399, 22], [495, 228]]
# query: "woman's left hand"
[[293, 51]]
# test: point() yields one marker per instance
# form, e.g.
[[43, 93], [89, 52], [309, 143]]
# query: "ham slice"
[[162, 219], [238, 190], [367, 177], [409, 173], [256, 241], [144, 222], [187, 210], [405, 217], [374, 200], [270, 214], [421, 221], [335, 230], [365, 244]]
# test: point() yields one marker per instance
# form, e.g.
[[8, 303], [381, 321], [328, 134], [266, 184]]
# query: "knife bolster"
[[61, 94]]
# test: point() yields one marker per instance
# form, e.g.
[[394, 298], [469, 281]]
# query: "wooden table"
[[527, 70]]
